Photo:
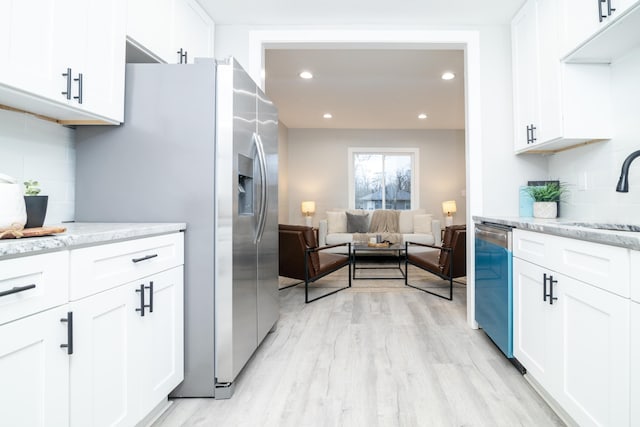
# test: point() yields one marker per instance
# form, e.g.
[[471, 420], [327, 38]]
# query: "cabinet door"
[[536, 337], [193, 30], [103, 58], [35, 371], [149, 25], [595, 354], [524, 36], [161, 338], [104, 383], [34, 38], [634, 402], [581, 19]]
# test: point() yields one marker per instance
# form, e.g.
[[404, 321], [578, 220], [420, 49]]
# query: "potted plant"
[[546, 198], [36, 205]]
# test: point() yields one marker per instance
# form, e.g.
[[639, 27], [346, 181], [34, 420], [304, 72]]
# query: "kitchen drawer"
[[43, 277], [531, 246], [603, 266], [634, 279], [98, 268]]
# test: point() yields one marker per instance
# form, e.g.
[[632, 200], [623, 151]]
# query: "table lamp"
[[449, 208], [308, 208]]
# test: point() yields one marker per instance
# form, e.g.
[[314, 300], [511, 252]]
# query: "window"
[[383, 178]]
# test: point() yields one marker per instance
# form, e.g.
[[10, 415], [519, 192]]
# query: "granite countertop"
[[562, 227], [84, 234]]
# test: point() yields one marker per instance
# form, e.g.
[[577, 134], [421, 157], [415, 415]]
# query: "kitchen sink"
[[603, 226]]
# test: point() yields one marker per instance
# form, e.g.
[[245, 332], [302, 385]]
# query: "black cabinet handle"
[[533, 138], [528, 134], [67, 93], [69, 321], [150, 306], [142, 306], [544, 287], [610, 9], [600, 15], [79, 80], [182, 56], [551, 283], [17, 289], [144, 258]]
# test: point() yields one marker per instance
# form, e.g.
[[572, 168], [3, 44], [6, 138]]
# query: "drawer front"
[[603, 266], [32, 284], [98, 268], [531, 246]]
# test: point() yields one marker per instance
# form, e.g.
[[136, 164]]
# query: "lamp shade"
[[449, 207], [308, 208]]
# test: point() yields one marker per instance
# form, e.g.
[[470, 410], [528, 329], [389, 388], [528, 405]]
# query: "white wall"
[[318, 167], [503, 172], [31, 148], [601, 162], [283, 174]]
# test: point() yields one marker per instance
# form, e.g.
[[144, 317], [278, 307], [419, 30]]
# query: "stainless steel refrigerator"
[[198, 145]]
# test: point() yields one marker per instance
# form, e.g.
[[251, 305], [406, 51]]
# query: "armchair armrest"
[[322, 248], [322, 232], [442, 248]]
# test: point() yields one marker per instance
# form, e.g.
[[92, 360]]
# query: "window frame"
[[385, 151]]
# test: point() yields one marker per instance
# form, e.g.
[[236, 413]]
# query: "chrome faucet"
[[623, 182]]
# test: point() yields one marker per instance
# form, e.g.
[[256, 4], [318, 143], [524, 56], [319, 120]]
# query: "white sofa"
[[421, 229]]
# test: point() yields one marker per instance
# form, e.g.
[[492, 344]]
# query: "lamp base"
[[448, 221], [308, 221]]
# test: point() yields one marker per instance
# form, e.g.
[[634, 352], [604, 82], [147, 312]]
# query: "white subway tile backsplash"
[[602, 161], [31, 148]]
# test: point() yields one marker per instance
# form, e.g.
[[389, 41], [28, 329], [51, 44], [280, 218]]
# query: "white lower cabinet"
[[129, 350], [635, 369], [572, 337], [34, 370]]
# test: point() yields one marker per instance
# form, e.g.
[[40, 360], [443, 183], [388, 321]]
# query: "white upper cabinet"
[[584, 19], [556, 105], [45, 47], [149, 24], [193, 31], [176, 32]]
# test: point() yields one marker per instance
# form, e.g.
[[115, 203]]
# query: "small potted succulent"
[[35, 203], [546, 198]]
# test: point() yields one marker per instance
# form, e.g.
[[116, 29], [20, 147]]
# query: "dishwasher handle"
[[495, 235]]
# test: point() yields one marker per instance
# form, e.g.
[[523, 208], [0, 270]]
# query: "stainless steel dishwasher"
[[494, 284]]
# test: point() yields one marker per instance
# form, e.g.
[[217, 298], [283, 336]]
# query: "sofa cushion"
[[336, 222], [422, 223], [357, 223], [407, 218], [425, 239], [339, 238]]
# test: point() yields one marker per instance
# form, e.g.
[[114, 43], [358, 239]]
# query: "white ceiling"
[[367, 89], [361, 12]]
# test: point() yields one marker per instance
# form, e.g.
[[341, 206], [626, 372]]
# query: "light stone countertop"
[[560, 227], [84, 234]]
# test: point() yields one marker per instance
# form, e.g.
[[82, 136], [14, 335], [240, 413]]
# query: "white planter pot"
[[545, 209]]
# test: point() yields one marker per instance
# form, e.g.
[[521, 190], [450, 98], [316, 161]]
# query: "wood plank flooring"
[[384, 355]]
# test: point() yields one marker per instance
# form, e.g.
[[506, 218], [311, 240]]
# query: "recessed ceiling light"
[[422, 116], [327, 115], [448, 75], [306, 75]]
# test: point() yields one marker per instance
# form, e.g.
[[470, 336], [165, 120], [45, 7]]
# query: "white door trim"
[[468, 41]]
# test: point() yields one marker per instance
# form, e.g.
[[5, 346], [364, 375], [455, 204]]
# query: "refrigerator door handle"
[[262, 213]]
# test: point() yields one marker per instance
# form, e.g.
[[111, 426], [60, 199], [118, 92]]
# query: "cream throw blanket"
[[385, 223]]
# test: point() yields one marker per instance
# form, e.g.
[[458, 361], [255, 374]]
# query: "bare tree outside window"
[[382, 180]]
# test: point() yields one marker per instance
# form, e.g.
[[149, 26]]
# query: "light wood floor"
[[384, 355]]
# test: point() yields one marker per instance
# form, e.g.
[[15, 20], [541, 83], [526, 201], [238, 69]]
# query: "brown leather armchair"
[[448, 263], [301, 258]]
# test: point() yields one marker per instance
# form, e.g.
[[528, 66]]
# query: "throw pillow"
[[336, 222], [422, 223], [405, 222], [357, 223]]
